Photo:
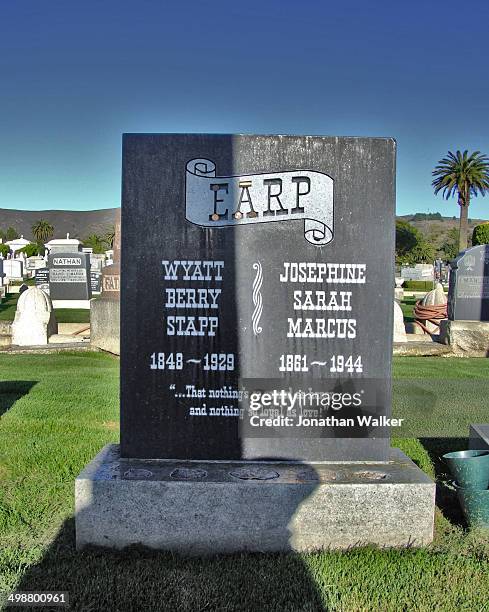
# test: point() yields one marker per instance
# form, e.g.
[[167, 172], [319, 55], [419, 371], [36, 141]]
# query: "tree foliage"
[[96, 242], [42, 230], [411, 245], [423, 252], [11, 234], [480, 235], [30, 249], [427, 217], [4, 249], [407, 236], [449, 249], [109, 237]]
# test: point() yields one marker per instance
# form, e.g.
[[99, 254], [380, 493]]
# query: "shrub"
[[480, 235], [30, 249], [416, 285]]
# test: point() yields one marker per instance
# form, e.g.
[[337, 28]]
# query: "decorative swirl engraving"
[[257, 299]]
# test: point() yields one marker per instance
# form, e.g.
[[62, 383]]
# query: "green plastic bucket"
[[470, 468], [475, 505]]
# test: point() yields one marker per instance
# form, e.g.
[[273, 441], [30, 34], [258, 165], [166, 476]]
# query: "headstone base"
[[479, 437], [105, 325], [208, 507], [469, 338]]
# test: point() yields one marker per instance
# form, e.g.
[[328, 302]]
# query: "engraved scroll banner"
[[218, 201]]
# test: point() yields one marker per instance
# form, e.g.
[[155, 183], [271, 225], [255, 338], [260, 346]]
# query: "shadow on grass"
[[8, 307], [141, 579], [13, 390], [446, 496]]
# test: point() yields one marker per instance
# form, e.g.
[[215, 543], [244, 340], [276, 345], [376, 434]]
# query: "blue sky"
[[75, 75]]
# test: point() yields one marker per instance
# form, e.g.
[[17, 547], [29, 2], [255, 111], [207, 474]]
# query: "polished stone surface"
[[186, 198], [69, 276], [468, 294], [479, 436]]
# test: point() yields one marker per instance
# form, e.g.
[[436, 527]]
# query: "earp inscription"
[[237, 200], [256, 334]]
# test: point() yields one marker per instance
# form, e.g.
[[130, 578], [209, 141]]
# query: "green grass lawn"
[[407, 306], [59, 410], [63, 315]]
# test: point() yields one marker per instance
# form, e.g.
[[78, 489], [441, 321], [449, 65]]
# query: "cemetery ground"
[[57, 413]]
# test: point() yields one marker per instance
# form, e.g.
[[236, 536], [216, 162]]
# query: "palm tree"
[[464, 175], [42, 231], [109, 237], [96, 242]]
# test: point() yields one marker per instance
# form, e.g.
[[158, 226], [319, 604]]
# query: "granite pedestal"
[[105, 310], [207, 507], [479, 437], [104, 324], [466, 338]]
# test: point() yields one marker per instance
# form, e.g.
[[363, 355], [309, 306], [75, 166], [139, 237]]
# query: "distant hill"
[[78, 223], [81, 223], [436, 229]]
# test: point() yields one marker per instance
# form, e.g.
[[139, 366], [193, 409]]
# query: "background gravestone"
[[468, 294], [34, 263], [13, 269], [95, 281], [111, 273], [34, 319], [3, 289], [42, 279], [105, 310], [97, 261], [421, 272], [258, 216], [69, 276]]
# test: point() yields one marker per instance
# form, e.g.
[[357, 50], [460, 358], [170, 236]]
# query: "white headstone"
[[13, 269], [34, 319], [399, 329]]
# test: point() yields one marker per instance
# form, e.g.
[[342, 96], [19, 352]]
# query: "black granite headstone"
[[42, 279], [468, 293], [69, 276], [256, 297], [95, 281]]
